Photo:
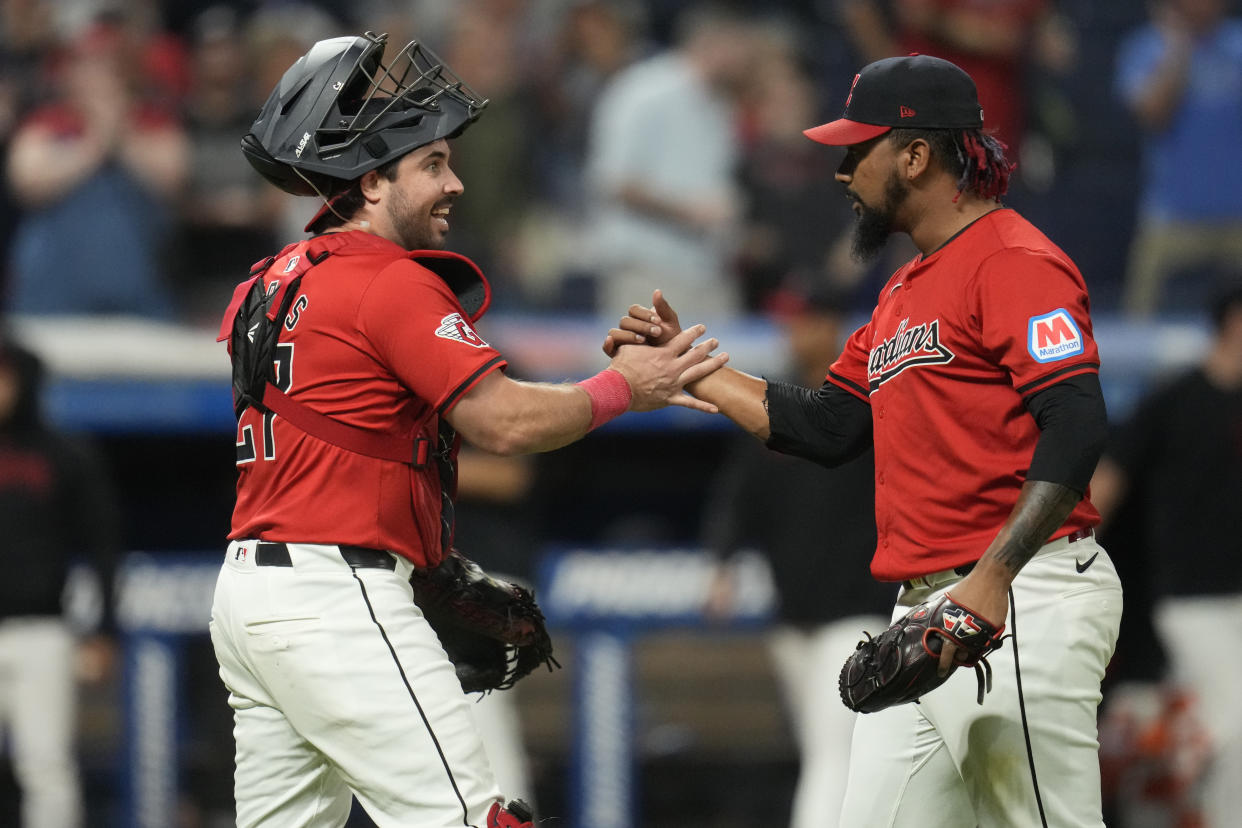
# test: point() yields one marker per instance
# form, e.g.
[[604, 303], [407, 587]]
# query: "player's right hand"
[[656, 325], [657, 376]]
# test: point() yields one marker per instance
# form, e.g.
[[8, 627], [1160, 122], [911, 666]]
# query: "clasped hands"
[[658, 375]]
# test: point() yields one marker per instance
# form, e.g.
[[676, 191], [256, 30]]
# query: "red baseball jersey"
[[958, 340], [377, 341]]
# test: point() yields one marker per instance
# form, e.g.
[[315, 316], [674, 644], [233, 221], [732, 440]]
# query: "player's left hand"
[[988, 599], [902, 663]]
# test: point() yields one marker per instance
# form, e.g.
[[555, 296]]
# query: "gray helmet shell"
[[339, 112]]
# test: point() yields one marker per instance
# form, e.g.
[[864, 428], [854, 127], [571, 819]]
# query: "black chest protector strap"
[[260, 312]]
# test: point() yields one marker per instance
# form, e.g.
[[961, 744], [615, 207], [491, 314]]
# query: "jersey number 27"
[[246, 449]]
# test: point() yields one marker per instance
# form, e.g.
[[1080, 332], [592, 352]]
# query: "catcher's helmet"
[[339, 112]]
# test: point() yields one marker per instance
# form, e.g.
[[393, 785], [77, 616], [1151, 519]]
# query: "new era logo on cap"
[[915, 91]]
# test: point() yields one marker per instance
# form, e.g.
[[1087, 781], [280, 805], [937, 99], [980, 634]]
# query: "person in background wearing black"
[[55, 509], [761, 501], [1180, 455]]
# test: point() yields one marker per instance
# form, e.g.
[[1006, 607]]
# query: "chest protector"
[[252, 324]]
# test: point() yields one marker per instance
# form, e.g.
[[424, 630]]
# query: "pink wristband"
[[610, 396]]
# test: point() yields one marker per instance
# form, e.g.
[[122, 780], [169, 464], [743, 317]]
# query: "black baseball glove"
[[902, 663], [492, 630]]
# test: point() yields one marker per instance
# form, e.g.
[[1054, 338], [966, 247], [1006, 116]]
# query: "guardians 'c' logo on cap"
[[850, 96]]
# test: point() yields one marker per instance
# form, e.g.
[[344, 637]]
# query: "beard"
[[413, 224], [875, 224]]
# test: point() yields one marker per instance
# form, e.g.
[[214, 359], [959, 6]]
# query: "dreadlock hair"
[[343, 204], [974, 157]]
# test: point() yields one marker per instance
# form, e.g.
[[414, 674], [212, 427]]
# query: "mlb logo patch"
[[1053, 336]]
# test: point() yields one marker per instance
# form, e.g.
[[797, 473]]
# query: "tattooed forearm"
[[1041, 509]]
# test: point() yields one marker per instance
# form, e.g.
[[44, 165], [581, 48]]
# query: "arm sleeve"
[[1073, 426], [828, 425]]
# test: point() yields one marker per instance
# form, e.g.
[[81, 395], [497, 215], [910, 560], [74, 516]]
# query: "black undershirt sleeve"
[[826, 424], [1073, 426], [830, 426]]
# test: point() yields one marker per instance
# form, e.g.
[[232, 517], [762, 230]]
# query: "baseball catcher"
[[902, 663], [492, 630], [357, 375]]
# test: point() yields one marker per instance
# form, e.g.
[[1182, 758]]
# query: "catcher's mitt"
[[492, 630], [901, 663]]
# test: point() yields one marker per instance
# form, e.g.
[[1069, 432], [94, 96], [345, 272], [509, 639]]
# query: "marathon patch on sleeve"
[[1053, 336], [458, 329]]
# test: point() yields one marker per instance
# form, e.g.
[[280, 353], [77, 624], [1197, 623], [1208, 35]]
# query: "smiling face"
[[418, 201], [871, 181]]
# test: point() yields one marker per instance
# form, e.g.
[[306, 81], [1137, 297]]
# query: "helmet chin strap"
[[326, 200]]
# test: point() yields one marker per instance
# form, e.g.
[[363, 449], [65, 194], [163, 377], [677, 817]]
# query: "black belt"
[[358, 557]]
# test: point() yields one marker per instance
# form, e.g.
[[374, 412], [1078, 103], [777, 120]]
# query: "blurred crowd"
[[628, 142]]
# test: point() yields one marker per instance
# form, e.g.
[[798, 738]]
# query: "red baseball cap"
[[918, 91]]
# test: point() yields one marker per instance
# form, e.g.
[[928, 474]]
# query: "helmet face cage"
[[415, 76], [340, 112]]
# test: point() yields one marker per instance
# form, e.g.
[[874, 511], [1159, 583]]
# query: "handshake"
[[659, 360]]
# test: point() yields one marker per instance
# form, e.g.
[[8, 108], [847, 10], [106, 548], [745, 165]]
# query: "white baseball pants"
[[808, 662], [38, 710], [338, 687], [1205, 662], [1028, 757]]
